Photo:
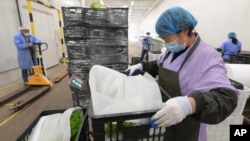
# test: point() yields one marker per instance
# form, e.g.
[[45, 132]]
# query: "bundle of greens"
[[110, 128], [75, 122], [97, 4]]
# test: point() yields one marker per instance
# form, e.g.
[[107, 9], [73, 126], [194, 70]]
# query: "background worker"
[[26, 50], [146, 46], [193, 74], [230, 47]]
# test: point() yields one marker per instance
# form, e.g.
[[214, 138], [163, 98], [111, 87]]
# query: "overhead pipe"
[[18, 12]]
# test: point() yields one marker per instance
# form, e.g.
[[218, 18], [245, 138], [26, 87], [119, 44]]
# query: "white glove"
[[174, 111], [133, 68], [30, 44]]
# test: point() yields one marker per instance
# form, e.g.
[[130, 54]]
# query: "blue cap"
[[174, 20], [231, 34]]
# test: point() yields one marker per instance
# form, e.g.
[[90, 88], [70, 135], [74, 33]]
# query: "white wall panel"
[[45, 30], [9, 22], [134, 29]]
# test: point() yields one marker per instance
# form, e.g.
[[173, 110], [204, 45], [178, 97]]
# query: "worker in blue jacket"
[[230, 47], [26, 50], [146, 46]]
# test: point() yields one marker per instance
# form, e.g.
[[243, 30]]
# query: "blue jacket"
[[23, 52], [147, 42], [229, 48]]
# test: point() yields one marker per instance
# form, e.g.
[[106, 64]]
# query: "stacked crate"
[[95, 36]]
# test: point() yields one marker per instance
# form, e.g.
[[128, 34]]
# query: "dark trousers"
[[25, 75], [143, 53]]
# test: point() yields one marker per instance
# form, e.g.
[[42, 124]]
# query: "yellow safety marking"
[[9, 104], [61, 36], [46, 4], [13, 115]]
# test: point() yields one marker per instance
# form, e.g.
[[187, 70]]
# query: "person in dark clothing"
[[193, 74], [230, 47], [146, 46]]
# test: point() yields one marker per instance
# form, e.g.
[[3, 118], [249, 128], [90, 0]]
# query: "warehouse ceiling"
[[137, 8]]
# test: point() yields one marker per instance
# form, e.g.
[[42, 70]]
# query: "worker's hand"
[[174, 111], [135, 69], [30, 44]]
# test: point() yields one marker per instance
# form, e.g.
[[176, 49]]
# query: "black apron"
[[27, 39], [32, 54], [188, 129]]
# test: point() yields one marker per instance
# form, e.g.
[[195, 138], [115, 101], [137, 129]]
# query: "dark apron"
[[27, 40], [188, 129]]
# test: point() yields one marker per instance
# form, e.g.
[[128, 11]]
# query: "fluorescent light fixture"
[[132, 3], [69, 2], [125, 6], [101, 2]]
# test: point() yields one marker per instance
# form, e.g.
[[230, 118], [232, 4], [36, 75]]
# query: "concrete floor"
[[58, 97], [13, 123]]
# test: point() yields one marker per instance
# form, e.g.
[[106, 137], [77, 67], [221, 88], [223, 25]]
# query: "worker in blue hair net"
[[230, 47], [194, 76]]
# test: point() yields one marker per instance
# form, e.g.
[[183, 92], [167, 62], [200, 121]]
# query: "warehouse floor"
[[13, 123]]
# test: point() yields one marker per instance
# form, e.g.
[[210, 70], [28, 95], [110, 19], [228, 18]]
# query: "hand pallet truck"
[[38, 79]]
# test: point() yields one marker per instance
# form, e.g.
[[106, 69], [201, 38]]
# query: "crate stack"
[[95, 36]]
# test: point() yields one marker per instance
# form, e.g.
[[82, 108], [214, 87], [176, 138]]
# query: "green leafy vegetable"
[[110, 128], [75, 122], [97, 4]]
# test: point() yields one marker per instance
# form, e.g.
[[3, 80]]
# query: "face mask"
[[26, 34], [175, 47]]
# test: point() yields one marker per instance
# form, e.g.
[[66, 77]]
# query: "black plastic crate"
[[118, 17], [95, 17], [72, 16], [240, 59], [236, 84], [105, 50], [80, 68], [75, 44], [112, 127], [74, 31], [106, 42], [97, 33], [81, 135], [110, 34], [135, 60]]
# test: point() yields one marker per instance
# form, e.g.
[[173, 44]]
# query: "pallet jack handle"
[[40, 59]]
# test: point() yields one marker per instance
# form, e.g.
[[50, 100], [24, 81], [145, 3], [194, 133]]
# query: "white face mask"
[[26, 34], [175, 47]]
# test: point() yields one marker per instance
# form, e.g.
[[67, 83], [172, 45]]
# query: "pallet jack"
[[38, 79]]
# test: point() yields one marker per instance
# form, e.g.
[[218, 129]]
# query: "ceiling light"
[[101, 2], [68, 2], [132, 3]]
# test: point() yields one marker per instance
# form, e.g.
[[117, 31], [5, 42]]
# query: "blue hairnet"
[[231, 34], [174, 20]]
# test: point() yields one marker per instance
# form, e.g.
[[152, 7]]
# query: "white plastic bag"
[[55, 127], [113, 92]]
